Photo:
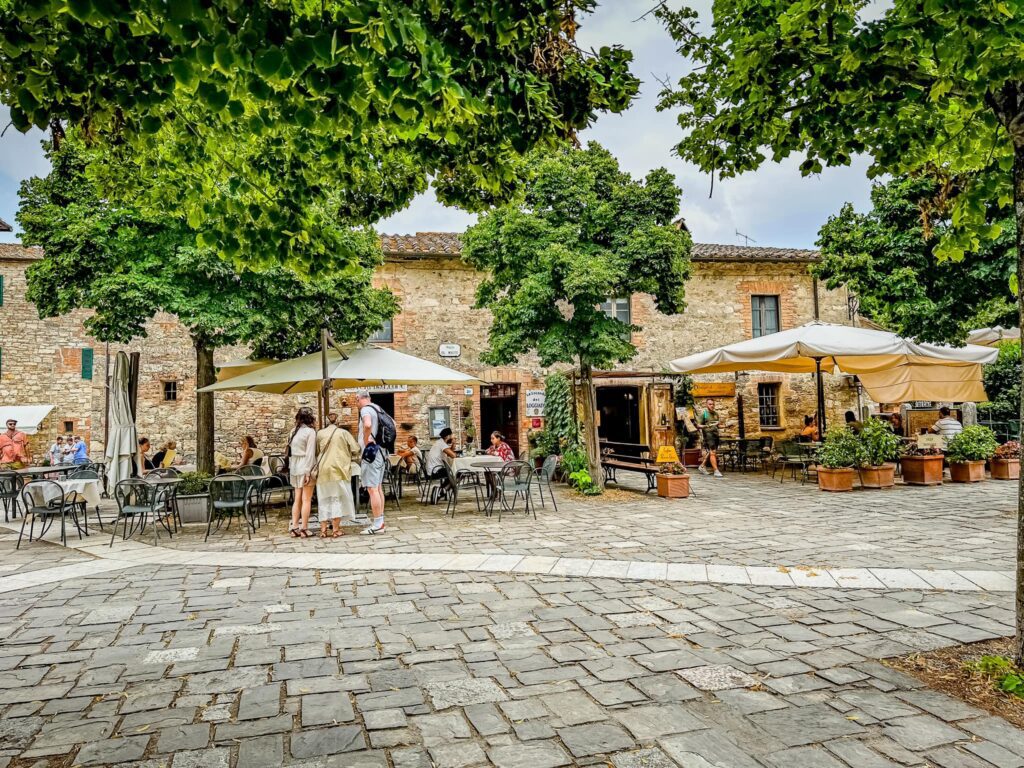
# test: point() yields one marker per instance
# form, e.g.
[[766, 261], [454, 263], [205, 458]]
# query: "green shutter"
[[87, 363], [1, 290]]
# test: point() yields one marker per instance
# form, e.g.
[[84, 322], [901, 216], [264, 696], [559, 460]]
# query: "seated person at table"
[[851, 423], [141, 459], [440, 453], [896, 422], [947, 425], [810, 433], [165, 456], [411, 456], [79, 451], [56, 452], [250, 453], [500, 448]]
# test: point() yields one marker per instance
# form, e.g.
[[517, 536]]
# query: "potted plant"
[[193, 495], [841, 452], [673, 482], [1006, 463], [881, 448], [967, 453], [922, 466]]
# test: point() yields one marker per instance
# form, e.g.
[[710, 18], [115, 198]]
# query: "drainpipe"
[[814, 295]]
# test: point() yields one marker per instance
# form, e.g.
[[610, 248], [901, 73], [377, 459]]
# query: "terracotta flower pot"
[[691, 457], [840, 479], [922, 470], [882, 476], [967, 471], [674, 486], [1005, 469]]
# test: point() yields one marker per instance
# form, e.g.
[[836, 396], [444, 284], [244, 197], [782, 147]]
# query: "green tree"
[[581, 232], [928, 88], [126, 267], [265, 124], [1003, 383], [886, 257]]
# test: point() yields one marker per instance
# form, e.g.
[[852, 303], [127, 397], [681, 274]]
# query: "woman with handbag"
[[301, 471], [337, 449]]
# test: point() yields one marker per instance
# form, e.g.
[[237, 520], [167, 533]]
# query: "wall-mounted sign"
[[536, 423], [449, 350], [713, 389], [468, 391], [535, 402], [379, 389]]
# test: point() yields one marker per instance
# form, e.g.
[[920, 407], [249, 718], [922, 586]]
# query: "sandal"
[[323, 534], [336, 534], [304, 533], [294, 533]]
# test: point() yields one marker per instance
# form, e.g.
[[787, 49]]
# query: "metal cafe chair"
[[230, 497], [10, 493], [137, 501], [45, 499]]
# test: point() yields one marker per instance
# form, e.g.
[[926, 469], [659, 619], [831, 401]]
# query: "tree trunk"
[[205, 375], [590, 443], [1018, 203]]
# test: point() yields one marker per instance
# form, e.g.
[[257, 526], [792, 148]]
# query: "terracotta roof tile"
[[19, 252], [450, 244]]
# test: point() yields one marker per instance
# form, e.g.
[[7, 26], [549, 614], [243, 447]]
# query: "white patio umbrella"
[[233, 368], [942, 383], [121, 440], [816, 347], [990, 336], [346, 367]]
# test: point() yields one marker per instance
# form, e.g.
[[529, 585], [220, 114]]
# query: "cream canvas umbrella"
[[942, 383], [990, 336], [122, 444], [346, 367], [235, 368], [816, 347]]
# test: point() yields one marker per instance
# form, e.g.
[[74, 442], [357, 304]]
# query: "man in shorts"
[[708, 422], [371, 473]]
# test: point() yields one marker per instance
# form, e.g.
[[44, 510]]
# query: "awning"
[[29, 417], [938, 383]]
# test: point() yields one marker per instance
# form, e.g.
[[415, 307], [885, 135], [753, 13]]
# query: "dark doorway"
[[386, 401], [620, 414], [499, 410]]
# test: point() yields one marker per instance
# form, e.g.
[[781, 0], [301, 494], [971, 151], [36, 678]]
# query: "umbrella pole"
[[325, 385], [820, 386]]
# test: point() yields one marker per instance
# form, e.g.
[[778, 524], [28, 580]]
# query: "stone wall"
[[41, 360]]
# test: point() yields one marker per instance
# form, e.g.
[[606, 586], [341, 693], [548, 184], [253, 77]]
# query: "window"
[[617, 309], [385, 334], [764, 314], [440, 418], [768, 405], [69, 427], [87, 363], [170, 391]]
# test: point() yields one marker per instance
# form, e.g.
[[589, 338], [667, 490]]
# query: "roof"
[[425, 244], [5, 227], [19, 252]]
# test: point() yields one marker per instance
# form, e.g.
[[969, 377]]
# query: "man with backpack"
[[376, 439]]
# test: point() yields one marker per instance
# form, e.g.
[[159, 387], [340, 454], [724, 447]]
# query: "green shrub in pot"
[[193, 483], [842, 449], [881, 444], [975, 443]]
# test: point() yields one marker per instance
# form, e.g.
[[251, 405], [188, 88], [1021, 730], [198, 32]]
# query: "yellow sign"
[[667, 454], [713, 389]]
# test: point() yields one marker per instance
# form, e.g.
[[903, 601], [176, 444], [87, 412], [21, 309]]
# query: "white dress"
[[303, 455]]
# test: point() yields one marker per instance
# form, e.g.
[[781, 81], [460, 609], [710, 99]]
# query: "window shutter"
[[87, 363], [1, 290]]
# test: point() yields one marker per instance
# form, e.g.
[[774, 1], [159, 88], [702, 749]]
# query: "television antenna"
[[747, 239]]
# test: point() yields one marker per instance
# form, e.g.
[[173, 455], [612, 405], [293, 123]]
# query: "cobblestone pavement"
[[180, 666], [747, 520]]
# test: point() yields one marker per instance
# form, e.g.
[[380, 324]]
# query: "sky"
[[773, 206]]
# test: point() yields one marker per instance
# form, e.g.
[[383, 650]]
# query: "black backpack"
[[386, 432]]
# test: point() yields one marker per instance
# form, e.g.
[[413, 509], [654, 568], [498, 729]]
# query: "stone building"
[[734, 292]]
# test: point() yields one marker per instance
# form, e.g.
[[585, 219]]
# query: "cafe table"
[[56, 469]]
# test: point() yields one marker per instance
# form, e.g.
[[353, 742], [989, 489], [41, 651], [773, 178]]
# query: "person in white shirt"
[[57, 452], [301, 461], [440, 452], [946, 426]]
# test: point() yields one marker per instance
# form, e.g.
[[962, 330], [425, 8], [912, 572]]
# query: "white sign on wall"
[[535, 402], [449, 350]]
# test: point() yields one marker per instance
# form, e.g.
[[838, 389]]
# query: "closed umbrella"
[[122, 443], [816, 347]]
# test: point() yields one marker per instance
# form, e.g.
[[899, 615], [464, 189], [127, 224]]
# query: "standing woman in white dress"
[[301, 461], [334, 501]]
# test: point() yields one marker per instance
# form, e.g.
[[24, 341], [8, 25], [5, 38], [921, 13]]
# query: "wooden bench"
[[630, 450], [612, 463]]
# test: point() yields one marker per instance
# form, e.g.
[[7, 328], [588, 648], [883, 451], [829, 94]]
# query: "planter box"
[[194, 508], [967, 471], [836, 480], [882, 476], [674, 486], [1005, 469], [922, 470]]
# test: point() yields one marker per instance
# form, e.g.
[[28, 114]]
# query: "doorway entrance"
[[386, 401], [499, 410], [620, 414]]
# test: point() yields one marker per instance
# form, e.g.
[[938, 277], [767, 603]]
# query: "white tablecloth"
[[89, 490], [461, 463]]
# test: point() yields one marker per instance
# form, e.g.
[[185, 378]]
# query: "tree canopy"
[[886, 258], [582, 232], [268, 124]]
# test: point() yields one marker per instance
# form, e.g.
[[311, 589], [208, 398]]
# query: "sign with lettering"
[[449, 350], [378, 389], [714, 389], [535, 402], [667, 454]]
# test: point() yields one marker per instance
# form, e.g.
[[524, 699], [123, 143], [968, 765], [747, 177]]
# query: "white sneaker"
[[702, 470], [717, 473]]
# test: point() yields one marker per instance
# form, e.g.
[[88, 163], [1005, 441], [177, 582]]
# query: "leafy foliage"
[[193, 483], [672, 468], [584, 483], [1006, 675], [559, 421], [842, 449], [880, 443], [573, 460], [887, 258], [1003, 384], [1008, 450], [545, 443], [974, 443], [267, 124]]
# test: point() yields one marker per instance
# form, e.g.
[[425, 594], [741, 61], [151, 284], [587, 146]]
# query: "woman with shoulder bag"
[[301, 466], [337, 449]]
